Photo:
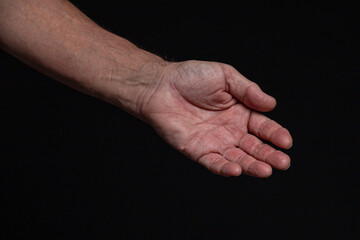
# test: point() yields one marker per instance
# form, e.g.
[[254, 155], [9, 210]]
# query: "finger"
[[217, 164], [269, 130], [249, 165], [264, 152], [247, 91]]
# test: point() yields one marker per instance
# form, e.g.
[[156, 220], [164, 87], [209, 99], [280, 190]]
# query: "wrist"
[[129, 77]]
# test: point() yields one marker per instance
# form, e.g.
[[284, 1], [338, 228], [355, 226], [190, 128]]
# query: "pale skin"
[[206, 110]]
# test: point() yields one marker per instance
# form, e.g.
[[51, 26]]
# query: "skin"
[[206, 110]]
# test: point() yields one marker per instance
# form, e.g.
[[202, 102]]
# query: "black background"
[[73, 167]]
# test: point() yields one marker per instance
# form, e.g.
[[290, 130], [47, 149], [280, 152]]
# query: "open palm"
[[211, 113]]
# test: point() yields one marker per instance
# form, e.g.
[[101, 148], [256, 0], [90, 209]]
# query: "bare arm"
[[57, 39], [206, 110]]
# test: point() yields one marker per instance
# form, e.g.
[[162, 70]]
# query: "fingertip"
[[282, 138], [260, 169], [266, 172], [287, 167], [269, 101], [287, 141], [278, 160], [236, 171], [284, 162], [259, 100], [268, 104], [272, 102], [231, 170]]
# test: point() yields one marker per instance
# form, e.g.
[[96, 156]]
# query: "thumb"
[[248, 92]]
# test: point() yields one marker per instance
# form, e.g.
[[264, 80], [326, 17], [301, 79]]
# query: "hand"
[[209, 112], [203, 109]]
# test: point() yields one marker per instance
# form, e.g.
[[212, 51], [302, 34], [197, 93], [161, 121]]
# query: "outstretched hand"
[[211, 113], [206, 110]]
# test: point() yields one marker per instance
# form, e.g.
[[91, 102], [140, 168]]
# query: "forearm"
[[57, 39]]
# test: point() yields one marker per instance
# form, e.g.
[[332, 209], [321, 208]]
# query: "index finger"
[[269, 130]]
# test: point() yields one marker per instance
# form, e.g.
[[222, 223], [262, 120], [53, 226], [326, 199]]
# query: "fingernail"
[[287, 167]]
